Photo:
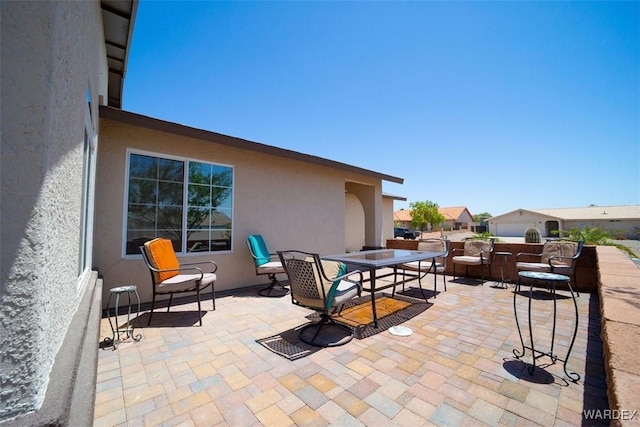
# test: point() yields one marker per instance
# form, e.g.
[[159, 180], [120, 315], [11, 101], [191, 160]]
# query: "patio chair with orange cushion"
[[169, 277]]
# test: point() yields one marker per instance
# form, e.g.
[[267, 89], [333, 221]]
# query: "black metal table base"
[[120, 334], [551, 279], [275, 288]]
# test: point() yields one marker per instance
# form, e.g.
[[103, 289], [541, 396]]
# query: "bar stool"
[[127, 331]]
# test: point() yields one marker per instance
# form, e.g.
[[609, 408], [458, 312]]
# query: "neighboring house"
[[402, 218], [456, 218], [621, 220], [296, 201], [388, 219], [75, 197]]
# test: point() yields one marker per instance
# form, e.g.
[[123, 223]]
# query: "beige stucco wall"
[[387, 219], [354, 223], [465, 217], [52, 52], [517, 222], [293, 204]]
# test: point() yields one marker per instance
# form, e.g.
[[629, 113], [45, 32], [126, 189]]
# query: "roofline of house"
[[118, 17], [134, 119], [523, 210], [394, 197], [544, 212]]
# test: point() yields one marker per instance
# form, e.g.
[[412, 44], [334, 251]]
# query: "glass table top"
[[383, 257], [540, 275]]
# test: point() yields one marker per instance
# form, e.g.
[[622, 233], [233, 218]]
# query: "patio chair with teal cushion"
[[324, 286], [266, 263]]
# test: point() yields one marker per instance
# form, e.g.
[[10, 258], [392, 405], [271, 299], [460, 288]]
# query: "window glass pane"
[[137, 238], [142, 191], [169, 217], [199, 195], [221, 219], [170, 194], [198, 241], [171, 170], [199, 173], [204, 241], [141, 217], [222, 175], [143, 166], [220, 240], [198, 218], [221, 197]]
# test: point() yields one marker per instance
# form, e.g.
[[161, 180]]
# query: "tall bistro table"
[[549, 279], [373, 260]]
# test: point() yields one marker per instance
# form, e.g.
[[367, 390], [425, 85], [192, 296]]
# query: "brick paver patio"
[[456, 369]]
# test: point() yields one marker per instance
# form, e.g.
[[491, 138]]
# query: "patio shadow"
[[171, 319], [520, 369], [469, 281]]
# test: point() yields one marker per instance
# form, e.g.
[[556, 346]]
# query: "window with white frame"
[[88, 182], [186, 201]]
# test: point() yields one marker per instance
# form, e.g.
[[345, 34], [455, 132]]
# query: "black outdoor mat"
[[288, 345]]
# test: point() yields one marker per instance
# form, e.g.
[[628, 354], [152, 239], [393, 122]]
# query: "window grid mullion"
[[185, 206]]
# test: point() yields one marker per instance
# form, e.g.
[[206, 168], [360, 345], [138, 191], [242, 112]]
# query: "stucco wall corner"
[[70, 394]]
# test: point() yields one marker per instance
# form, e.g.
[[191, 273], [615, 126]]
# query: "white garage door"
[[513, 229]]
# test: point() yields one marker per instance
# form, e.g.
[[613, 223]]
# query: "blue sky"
[[491, 105]]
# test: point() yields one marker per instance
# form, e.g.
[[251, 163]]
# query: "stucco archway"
[[370, 198]]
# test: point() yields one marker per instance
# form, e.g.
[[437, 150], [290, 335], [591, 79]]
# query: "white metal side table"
[[127, 330]]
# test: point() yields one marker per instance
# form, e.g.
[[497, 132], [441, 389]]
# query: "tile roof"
[[450, 214], [402, 215], [587, 213]]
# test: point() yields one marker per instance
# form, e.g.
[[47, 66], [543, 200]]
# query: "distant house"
[[622, 220], [456, 218], [388, 214]]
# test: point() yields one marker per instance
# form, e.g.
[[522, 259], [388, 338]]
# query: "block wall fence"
[[586, 269]]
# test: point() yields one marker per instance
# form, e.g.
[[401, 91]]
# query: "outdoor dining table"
[[380, 258]]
